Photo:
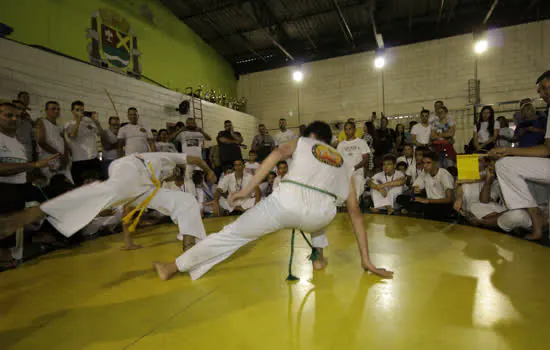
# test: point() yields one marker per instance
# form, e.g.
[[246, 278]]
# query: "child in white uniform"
[[387, 185], [356, 155]]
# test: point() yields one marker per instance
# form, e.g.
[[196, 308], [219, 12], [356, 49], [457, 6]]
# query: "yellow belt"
[[143, 205]]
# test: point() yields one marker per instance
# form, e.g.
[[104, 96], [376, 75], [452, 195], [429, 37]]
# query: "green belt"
[[311, 188]]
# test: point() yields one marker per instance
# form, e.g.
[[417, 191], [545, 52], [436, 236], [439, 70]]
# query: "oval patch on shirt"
[[142, 130], [327, 155]]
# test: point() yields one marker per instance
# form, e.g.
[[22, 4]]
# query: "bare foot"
[[534, 236], [188, 242], [320, 263], [165, 271], [390, 210], [131, 246]]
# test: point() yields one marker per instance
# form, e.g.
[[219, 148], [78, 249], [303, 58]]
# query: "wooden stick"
[[110, 99]]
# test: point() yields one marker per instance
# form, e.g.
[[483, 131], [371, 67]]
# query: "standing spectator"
[[110, 145], [251, 164], [134, 137], [443, 133], [24, 97], [506, 133], [163, 145], [284, 135], [434, 116], [384, 142], [25, 133], [342, 135], [230, 144], [14, 166], [421, 133], [50, 140], [400, 138], [368, 136], [302, 129], [387, 186], [82, 132], [438, 184], [263, 143], [408, 137], [155, 133], [485, 131], [530, 131], [356, 153], [191, 139], [233, 183]]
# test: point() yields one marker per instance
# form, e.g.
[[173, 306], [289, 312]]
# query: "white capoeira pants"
[[359, 182], [470, 195], [514, 219], [246, 204], [514, 173], [382, 202], [289, 206], [128, 182]]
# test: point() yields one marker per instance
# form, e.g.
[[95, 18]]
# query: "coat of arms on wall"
[[113, 43]]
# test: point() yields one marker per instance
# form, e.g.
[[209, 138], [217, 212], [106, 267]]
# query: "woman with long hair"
[[486, 130], [400, 137]]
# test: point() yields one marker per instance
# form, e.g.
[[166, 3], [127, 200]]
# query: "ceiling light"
[[481, 46], [379, 62], [297, 76]]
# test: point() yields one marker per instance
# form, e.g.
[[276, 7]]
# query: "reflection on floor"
[[455, 287]]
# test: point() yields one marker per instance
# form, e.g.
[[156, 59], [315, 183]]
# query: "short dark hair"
[[161, 130], [389, 157], [227, 121], [350, 123], [238, 160], [49, 103], [282, 119], [321, 129], [282, 162], [132, 109], [430, 154], [408, 145], [402, 164], [424, 110], [76, 103], [179, 124], [261, 125], [422, 149], [439, 101], [271, 173], [197, 177], [21, 93], [227, 167], [252, 151], [545, 75], [412, 123], [154, 130], [111, 118], [444, 108]]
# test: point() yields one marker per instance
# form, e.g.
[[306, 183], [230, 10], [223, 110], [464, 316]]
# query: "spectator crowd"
[[408, 170]]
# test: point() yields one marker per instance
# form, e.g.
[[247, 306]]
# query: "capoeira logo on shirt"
[[327, 155]]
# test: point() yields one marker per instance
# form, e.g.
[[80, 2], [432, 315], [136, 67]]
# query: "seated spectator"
[[134, 137], [414, 172], [251, 164], [163, 145], [402, 167], [180, 182], [355, 153], [506, 133], [386, 186], [267, 187], [205, 193], [408, 156], [438, 185], [282, 170], [421, 133], [51, 141], [530, 132], [234, 183], [485, 131]]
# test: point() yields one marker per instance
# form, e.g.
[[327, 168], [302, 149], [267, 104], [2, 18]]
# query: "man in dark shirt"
[[385, 139], [263, 143], [230, 144]]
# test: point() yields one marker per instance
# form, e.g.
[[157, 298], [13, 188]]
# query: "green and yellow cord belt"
[[145, 203]]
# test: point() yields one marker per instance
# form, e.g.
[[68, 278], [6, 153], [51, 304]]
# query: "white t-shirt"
[[84, 145], [435, 186], [191, 143], [414, 173], [136, 137], [506, 132], [284, 136], [250, 168], [382, 178], [12, 151], [352, 152], [422, 133], [188, 187], [112, 153], [483, 133], [165, 147], [230, 184]]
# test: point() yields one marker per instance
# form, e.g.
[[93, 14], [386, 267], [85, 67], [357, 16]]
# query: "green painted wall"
[[172, 54]]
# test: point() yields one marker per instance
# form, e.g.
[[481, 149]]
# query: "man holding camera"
[[82, 132]]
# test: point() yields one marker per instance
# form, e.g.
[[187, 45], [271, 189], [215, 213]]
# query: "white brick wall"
[[51, 77], [415, 76]]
